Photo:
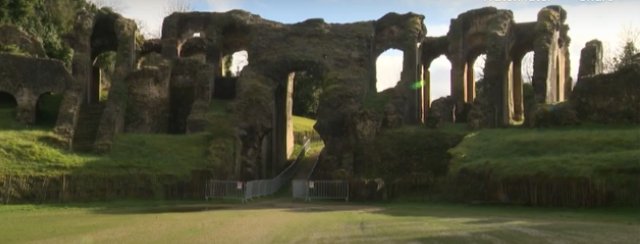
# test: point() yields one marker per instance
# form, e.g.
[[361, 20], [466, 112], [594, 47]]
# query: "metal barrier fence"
[[320, 189], [256, 188]]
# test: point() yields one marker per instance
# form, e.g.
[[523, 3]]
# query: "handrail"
[[255, 188]]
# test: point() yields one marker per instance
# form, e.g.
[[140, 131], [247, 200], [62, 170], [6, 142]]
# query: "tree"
[[179, 6], [625, 58], [615, 60], [115, 5]]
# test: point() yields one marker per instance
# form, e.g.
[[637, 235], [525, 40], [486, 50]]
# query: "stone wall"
[[27, 78], [609, 98]]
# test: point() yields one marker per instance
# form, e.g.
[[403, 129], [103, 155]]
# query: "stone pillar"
[[471, 82], [170, 38], [426, 92], [518, 102], [591, 59], [458, 81], [112, 121], [26, 106], [81, 71], [289, 113], [410, 76], [560, 78]]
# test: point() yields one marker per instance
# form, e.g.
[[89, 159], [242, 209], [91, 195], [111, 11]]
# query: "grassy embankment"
[[34, 168], [576, 166], [30, 151]]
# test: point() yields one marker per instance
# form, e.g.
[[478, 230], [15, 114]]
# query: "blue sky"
[[588, 19]]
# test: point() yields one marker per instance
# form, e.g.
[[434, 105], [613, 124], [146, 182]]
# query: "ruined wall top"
[[591, 59], [398, 31], [12, 35]]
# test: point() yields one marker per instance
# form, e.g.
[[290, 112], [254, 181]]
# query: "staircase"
[[87, 127]]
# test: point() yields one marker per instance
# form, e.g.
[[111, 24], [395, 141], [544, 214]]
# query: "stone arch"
[[223, 35], [7, 99], [26, 86], [432, 48], [103, 40], [470, 35], [47, 108], [404, 32], [283, 74]]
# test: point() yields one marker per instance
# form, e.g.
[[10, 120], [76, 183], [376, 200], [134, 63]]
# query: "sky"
[[605, 20]]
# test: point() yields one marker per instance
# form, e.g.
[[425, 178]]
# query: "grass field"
[[283, 221]]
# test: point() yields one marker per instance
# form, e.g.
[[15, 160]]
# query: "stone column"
[[458, 81], [471, 82], [26, 106], [112, 121], [518, 102], [410, 76], [81, 70], [289, 113], [427, 91]]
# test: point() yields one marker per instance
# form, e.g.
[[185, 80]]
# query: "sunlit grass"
[[279, 221]]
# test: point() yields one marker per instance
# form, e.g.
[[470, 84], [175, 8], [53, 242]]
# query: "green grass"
[[277, 221], [303, 125], [564, 152]]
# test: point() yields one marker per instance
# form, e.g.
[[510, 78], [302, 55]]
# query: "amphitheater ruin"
[[166, 85]]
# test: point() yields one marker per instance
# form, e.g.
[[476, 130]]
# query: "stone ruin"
[[166, 85]]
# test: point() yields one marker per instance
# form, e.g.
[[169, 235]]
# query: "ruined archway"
[[47, 108], [239, 60], [388, 69], [104, 47], [8, 105]]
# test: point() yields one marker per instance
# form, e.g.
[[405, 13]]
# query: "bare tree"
[[179, 6], [115, 5], [615, 58]]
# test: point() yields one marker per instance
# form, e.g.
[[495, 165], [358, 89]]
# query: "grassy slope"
[[286, 222], [29, 151], [303, 125], [564, 152]]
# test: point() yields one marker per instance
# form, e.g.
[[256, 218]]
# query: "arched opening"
[[476, 75], [389, 69], [440, 78], [8, 106], [104, 66], [292, 129], [47, 109], [239, 60], [522, 80], [104, 44], [230, 68]]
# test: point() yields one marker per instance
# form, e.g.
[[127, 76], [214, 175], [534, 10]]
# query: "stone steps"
[[87, 127]]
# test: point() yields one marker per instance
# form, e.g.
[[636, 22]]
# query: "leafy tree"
[[306, 94]]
